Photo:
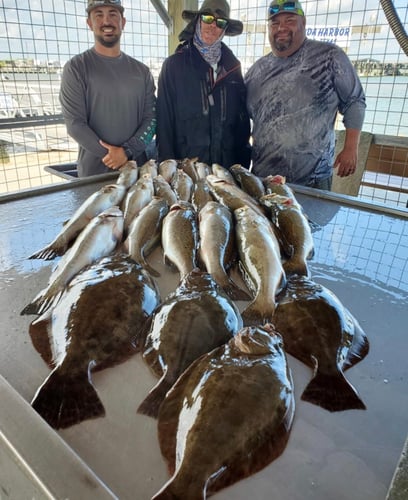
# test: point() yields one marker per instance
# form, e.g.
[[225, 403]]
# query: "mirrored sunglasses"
[[219, 21], [285, 7], [104, 2]]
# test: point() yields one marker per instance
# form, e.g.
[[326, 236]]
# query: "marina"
[[360, 236]]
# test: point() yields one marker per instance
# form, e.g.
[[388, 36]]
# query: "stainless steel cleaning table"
[[361, 256]]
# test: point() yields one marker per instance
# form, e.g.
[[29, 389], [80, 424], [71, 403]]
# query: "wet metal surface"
[[361, 256]]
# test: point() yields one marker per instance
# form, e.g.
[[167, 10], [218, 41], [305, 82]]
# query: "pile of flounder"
[[224, 399]]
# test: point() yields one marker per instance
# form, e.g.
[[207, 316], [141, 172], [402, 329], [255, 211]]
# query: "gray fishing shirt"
[[108, 98], [293, 102]]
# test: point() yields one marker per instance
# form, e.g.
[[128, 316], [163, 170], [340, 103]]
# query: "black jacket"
[[197, 117]]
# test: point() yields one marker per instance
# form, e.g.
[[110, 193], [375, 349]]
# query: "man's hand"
[[346, 160], [116, 156]]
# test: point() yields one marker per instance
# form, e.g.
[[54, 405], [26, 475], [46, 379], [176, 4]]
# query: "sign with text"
[[339, 35]]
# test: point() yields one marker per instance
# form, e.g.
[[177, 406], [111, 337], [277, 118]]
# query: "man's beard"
[[113, 40], [283, 46]]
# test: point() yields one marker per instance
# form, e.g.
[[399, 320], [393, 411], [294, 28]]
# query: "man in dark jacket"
[[201, 100]]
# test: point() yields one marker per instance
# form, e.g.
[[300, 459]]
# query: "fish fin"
[[332, 392], [234, 292], [42, 302], [296, 266], [64, 401], [169, 263], [38, 331], [150, 269], [359, 347], [311, 254], [151, 404], [48, 253]]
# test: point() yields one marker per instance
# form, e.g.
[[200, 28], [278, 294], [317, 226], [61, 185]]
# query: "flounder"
[[228, 416], [191, 321], [319, 331], [101, 320]]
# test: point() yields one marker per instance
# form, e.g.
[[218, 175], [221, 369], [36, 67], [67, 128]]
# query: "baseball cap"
[[93, 4], [278, 6]]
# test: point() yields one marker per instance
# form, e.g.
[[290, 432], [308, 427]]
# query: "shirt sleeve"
[[350, 92], [73, 105], [147, 128]]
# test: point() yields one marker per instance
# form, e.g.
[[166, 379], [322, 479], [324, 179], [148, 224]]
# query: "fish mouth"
[[255, 340]]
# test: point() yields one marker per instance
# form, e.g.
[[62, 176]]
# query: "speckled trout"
[[99, 238]]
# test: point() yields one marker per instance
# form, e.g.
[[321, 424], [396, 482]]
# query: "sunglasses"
[[285, 7], [103, 2], [208, 19]]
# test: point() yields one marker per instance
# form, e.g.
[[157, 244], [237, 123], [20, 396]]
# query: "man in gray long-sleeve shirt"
[[107, 97], [293, 96]]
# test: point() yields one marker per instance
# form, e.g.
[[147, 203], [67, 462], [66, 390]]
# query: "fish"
[[188, 166], [260, 262], [150, 167], [101, 320], [128, 174], [277, 184], [137, 197], [106, 197], [217, 246], [182, 184], [99, 238], [320, 331], [232, 195], [194, 319], [201, 194], [249, 182], [167, 168], [180, 236], [202, 170], [294, 232], [228, 416], [145, 233], [222, 173], [163, 189]]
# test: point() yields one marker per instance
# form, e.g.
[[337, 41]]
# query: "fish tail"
[[64, 401], [150, 406], [255, 315], [47, 253], [299, 267], [333, 393], [42, 302], [234, 292]]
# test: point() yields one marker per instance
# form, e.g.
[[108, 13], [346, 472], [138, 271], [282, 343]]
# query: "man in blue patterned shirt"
[[294, 94]]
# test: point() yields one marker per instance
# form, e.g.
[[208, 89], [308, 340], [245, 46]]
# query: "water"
[[387, 105], [386, 96]]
